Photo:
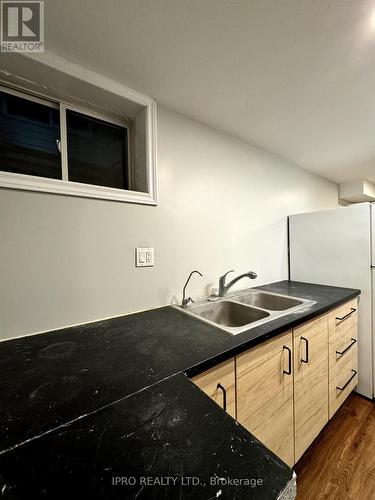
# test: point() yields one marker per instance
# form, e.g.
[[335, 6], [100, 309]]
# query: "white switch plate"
[[144, 257]]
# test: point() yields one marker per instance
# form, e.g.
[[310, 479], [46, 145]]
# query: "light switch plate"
[[144, 257]]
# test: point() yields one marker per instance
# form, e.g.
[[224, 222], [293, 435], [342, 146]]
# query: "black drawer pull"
[[340, 353], [219, 386], [289, 371], [353, 310], [348, 382], [306, 360]]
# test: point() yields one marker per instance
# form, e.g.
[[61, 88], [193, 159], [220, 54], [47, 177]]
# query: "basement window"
[[61, 148]]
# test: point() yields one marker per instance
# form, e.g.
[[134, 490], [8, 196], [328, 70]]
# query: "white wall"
[[223, 205]]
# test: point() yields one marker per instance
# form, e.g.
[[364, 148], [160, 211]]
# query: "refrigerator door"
[[373, 288], [333, 247], [373, 234]]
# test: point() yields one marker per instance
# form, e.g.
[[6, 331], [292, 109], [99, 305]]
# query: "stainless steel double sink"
[[240, 311]]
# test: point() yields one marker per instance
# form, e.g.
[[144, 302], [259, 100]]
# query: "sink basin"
[[246, 309], [268, 301], [229, 314]]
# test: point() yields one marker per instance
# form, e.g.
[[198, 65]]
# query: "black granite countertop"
[[169, 433], [68, 396]]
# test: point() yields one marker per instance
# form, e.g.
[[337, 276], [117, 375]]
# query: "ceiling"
[[292, 77]]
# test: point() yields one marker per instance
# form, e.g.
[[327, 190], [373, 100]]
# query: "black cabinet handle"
[[348, 382], [306, 360], [219, 386], [353, 310], [289, 371], [340, 353]]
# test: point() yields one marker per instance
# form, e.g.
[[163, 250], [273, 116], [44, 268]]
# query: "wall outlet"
[[144, 257]]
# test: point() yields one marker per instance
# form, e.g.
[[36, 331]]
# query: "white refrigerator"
[[336, 247]]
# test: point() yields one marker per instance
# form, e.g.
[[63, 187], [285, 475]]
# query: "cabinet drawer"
[[219, 384], [341, 319], [342, 379], [343, 345], [272, 424]]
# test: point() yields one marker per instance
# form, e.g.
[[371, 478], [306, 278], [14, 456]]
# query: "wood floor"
[[340, 464]]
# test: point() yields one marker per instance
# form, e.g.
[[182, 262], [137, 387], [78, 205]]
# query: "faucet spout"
[[186, 301], [224, 288]]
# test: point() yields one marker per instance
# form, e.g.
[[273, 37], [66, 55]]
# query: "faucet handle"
[[187, 301], [225, 275]]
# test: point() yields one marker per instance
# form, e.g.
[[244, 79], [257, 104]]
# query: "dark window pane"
[[28, 135], [97, 151], [29, 110]]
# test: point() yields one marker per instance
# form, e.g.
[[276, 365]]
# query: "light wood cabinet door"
[[265, 394], [220, 384], [310, 382], [272, 424]]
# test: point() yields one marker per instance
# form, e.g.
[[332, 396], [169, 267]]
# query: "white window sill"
[[56, 186]]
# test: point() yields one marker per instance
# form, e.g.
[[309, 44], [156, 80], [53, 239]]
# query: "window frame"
[[64, 186]]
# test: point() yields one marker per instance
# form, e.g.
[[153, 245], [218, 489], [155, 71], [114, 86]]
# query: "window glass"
[[29, 132], [97, 151]]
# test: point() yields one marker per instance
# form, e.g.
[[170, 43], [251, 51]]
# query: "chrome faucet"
[[223, 288], [186, 301]]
